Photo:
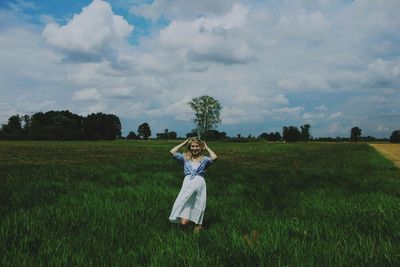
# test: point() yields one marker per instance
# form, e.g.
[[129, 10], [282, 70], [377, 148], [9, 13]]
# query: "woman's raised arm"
[[176, 148], [213, 156]]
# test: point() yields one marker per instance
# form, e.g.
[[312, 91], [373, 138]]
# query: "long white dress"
[[191, 201]]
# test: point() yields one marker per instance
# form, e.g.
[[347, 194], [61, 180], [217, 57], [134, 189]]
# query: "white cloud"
[[319, 114], [180, 109], [182, 8], [289, 85], [382, 128], [335, 115], [309, 116], [95, 108], [119, 93], [281, 100], [292, 111], [381, 71], [245, 98], [305, 82], [30, 78], [21, 5], [88, 94], [321, 108], [335, 128], [92, 35], [233, 115], [308, 27], [217, 39], [47, 19]]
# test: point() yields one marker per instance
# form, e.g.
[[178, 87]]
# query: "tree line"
[[61, 125], [294, 134], [64, 125], [289, 134], [144, 132]]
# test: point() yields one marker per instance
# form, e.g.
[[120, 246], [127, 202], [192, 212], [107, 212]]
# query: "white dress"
[[191, 201]]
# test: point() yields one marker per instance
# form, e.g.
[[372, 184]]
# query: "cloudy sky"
[[332, 64]]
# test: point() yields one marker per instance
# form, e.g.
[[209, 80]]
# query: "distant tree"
[[13, 129], [277, 136], [63, 125], [395, 136], [355, 134], [26, 119], [14, 123], [144, 131], [132, 135], [305, 132], [101, 126], [368, 138], [167, 135], [172, 135], [214, 135], [207, 113], [273, 137], [53, 125], [291, 134], [37, 123], [163, 135], [263, 136], [193, 133]]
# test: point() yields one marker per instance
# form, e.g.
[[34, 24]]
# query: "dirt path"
[[391, 151]]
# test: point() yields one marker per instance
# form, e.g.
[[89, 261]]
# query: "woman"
[[191, 201]]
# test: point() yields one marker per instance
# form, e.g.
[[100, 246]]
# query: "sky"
[[331, 64]]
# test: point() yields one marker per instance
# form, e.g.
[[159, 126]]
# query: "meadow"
[[391, 151], [268, 204]]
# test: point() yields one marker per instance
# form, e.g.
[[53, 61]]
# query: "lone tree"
[[207, 112], [144, 131], [355, 134]]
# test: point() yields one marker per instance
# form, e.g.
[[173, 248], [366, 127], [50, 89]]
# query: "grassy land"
[[391, 151], [107, 203]]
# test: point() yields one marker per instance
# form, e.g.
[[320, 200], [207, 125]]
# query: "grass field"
[[107, 204], [391, 151]]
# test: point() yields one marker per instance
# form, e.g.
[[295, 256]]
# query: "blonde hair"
[[188, 155]]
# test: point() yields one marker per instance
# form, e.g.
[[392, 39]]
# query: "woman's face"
[[195, 148]]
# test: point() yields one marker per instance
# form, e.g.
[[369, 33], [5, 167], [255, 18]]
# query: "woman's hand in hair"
[[176, 148], [205, 145], [212, 153]]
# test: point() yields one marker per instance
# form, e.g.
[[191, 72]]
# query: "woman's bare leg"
[[184, 221], [198, 228], [184, 225]]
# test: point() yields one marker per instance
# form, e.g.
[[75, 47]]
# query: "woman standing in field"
[[191, 201]]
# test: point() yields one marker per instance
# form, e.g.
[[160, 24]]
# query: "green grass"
[[108, 203]]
